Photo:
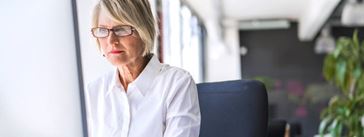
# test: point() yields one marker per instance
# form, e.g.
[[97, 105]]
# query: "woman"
[[141, 97]]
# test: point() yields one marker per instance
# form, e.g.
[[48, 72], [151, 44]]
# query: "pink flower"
[[301, 111], [295, 88]]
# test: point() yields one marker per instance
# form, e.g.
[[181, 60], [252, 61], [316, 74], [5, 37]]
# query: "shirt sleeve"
[[183, 111]]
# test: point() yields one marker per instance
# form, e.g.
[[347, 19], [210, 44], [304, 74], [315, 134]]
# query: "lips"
[[116, 51]]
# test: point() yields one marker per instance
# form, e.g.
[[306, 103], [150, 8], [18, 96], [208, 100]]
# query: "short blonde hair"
[[136, 13]]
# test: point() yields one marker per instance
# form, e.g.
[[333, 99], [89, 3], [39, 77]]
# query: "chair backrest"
[[233, 109]]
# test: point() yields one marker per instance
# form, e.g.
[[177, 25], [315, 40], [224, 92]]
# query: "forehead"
[[106, 21]]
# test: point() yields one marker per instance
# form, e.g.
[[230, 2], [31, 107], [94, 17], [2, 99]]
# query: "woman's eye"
[[103, 30], [120, 29]]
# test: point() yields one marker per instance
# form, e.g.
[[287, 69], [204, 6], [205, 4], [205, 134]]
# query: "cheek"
[[139, 47], [136, 45], [102, 45]]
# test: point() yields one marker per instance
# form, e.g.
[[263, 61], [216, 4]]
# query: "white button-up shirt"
[[161, 102]]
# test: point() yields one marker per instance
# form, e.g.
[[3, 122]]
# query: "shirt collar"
[[145, 78]]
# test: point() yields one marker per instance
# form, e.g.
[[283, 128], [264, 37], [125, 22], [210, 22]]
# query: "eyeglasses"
[[121, 31]]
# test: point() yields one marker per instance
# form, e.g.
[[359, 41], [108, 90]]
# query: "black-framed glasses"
[[121, 31]]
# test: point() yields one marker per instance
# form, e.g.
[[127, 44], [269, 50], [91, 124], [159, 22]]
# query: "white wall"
[[39, 91]]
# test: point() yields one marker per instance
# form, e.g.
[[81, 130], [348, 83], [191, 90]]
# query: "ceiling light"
[[264, 24], [325, 43]]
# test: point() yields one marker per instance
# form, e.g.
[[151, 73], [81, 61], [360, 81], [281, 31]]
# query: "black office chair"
[[233, 109]]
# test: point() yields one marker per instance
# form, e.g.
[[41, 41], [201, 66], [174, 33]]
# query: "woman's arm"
[[183, 111]]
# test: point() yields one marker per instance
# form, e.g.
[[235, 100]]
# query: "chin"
[[118, 61]]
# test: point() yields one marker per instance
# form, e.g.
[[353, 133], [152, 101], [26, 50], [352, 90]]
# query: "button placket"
[[126, 116]]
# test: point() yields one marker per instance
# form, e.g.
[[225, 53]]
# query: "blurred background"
[[46, 49]]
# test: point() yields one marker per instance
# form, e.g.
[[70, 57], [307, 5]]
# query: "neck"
[[129, 72]]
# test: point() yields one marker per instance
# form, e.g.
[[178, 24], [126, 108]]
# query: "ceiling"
[[310, 15]]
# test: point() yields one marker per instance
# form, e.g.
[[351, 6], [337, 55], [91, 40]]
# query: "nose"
[[112, 38]]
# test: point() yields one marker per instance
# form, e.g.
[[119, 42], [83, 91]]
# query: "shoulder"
[[177, 80], [175, 74], [181, 88]]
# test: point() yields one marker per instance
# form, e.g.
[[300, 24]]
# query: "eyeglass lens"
[[118, 31]]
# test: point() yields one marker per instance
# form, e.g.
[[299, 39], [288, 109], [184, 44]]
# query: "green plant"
[[345, 69]]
